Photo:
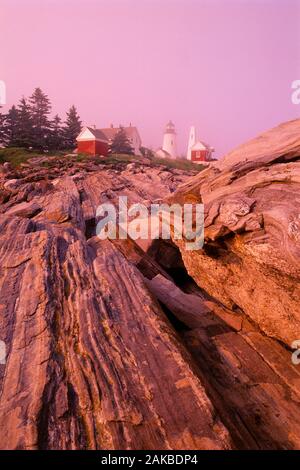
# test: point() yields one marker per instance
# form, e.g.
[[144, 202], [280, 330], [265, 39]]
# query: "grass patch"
[[81, 157], [15, 156], [118, 158], [178, 164], [154, 161]]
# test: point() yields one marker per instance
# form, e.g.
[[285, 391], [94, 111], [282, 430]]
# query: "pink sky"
[[225, 66]]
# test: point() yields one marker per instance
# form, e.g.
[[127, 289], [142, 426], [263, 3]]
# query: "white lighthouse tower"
[[191, 143], [169, 142]]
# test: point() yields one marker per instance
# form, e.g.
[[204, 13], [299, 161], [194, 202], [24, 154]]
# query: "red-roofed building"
[[198, 151], [96, 141], [201, 152], [92, 141]]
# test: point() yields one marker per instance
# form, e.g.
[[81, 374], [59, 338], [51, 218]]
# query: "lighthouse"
[[168, 149], [169, 142]]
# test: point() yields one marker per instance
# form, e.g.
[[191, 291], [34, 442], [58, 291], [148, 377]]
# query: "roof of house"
[[200, 145], [110, 132], [160, 152], [163, 152], [98, 133]]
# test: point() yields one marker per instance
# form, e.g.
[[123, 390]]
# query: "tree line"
[[28, 125]]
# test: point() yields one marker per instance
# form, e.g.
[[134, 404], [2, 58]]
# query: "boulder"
[[24, 209]]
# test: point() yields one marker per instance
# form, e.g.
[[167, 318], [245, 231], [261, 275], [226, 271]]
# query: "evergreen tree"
[[40, 108], [56, 138], [11, 127], [72, 128], [2, 128], [29, 125], [121, 143], [24, 125]]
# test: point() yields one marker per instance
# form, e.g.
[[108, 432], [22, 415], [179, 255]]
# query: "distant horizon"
[[220, 65]]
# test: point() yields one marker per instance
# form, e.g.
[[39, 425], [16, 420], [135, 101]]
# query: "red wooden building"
[[200, 152], [92, 141]]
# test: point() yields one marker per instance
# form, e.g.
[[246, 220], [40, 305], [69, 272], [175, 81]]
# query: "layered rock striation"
[[110, 347]]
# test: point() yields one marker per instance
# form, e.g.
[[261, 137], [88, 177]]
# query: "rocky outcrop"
[[85, 338], [251, 257], [110, 347], [249, 377]]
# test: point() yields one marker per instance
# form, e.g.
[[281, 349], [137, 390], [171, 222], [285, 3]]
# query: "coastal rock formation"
[[251, 258], [85, 338], [112, 347], [249, 377]]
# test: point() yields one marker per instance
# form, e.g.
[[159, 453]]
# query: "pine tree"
[[72, 128], [24, 125], [121, 143], [56, 138], [40, 108], [2, 129], [11, 127]]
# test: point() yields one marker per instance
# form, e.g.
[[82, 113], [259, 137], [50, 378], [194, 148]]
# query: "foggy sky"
[[225, 66]]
